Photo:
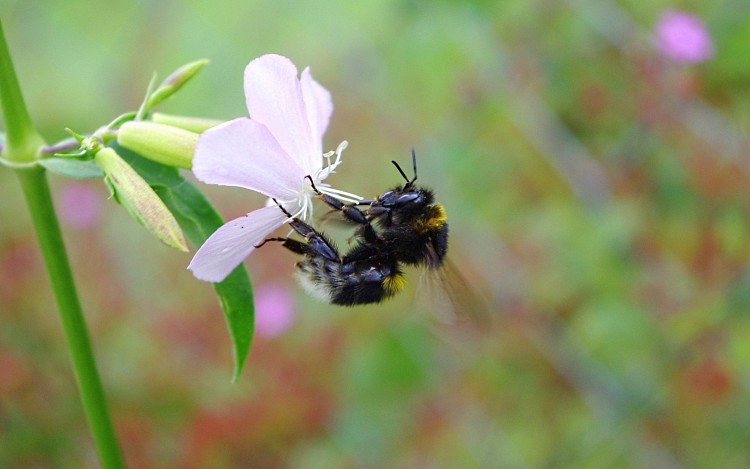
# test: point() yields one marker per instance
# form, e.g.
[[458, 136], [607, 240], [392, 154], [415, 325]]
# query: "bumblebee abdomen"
[[349, 284], [320, 277]]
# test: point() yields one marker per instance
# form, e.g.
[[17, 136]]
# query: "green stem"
[[21, 138], [39, 200]]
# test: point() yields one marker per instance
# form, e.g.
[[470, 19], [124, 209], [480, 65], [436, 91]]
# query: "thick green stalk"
[[39, 200], [21, 138], [22, 144]]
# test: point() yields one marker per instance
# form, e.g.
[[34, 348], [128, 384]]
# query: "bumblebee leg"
[[374, 211], [281, 207], [365, 202], [317, 244], [350, 211], [292, 244], [302, 228]]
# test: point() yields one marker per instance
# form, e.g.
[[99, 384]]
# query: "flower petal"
[[274, 98], [319, 108], [243, 153], [228, 246]]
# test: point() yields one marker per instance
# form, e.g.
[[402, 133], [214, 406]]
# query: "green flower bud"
[[165, 144], [193, 124], [129, 189], [174, 82]]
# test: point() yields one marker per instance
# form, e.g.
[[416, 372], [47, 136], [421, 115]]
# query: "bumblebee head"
[[408, 203], [414, 207]]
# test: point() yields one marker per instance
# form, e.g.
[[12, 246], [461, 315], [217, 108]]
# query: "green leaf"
[[72, 168], [198, 220]]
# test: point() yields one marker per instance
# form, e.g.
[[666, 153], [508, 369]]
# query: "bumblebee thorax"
[[432, 219]]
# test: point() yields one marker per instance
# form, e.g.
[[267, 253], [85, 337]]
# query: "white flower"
[[270, 152]]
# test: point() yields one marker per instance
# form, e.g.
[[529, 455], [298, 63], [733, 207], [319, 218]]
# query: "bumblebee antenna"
[[403, 174], [414, 163], [400, 171]]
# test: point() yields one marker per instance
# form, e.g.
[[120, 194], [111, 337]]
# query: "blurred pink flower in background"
[[274, 310], [683, 37], [80, 205]]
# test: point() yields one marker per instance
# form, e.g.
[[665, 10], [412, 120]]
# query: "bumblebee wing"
[[332, 219], [433, 262], [451, 299], [335, 218]]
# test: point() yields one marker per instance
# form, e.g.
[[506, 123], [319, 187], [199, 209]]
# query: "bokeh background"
[[596, 180]]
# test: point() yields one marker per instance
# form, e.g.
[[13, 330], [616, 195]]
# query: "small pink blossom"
[[270, 152], [683, 37], [274, 310], [80, 205]]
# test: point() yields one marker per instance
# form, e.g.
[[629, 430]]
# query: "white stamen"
[[328, 170], [331, 167], [303, 201], [339, 149], [339, 194], [327, 156]]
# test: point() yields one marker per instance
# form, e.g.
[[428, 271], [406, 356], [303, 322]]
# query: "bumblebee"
[[403, 226]]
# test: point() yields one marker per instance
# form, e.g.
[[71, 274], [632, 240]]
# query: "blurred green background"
[[597, 194]]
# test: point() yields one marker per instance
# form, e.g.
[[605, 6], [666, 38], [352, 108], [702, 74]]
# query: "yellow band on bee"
[[393, 284], [434, 219]]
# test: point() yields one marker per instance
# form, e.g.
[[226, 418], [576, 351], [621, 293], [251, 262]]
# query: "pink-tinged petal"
[[233, 242], [243, 153], [319, 106], [274, 98]]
